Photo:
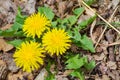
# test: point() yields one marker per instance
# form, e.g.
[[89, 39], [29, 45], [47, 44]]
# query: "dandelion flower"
[[56, 41], [29, 56], [35, 25]]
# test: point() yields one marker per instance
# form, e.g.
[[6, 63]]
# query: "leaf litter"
[[107, 56]]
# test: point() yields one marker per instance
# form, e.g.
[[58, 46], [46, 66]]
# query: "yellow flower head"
[[35, 25], [56, 41], [29, 56]]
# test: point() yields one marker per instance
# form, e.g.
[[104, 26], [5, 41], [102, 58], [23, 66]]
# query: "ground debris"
[[5, 46], [3, 70], [107, 57]]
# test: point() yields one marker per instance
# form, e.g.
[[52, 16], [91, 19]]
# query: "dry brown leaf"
[[5, 6], [4, 46], [89, 12], [60, 76], [111, 65], [97, 77], [12, 66], [103, 68], [105, 77], [116, 73], [110, 74], [6, 27], [8, 47], [8, 9], [96, 32], [67, 72], [74, 48], [2, 62], [114, 3], [52, 68], [3, 70], [83, 17], [41, 75], [110, 36], [104, 46], [98, 49], [30, 76], [16, 76], [101, 57], [50, 2], [7, 57], [29, 6], [61, 8], [24, 0]]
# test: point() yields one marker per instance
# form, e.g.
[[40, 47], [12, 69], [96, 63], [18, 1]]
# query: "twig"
[[115, 43], [110, 19], [100, 36], [100, 17], [91, 31]]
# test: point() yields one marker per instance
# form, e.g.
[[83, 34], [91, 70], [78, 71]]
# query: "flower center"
[[28, 54]]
